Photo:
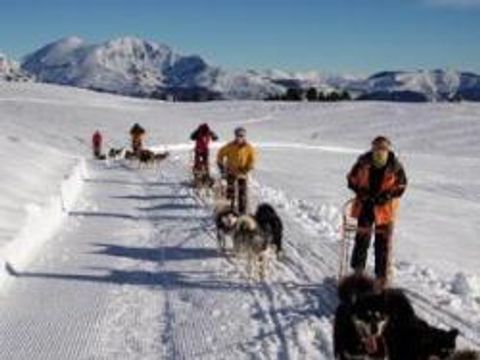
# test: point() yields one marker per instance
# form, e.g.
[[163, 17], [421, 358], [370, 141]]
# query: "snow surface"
[[131, 269]]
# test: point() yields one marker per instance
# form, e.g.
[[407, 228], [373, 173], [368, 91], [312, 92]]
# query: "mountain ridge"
[[137, 67]]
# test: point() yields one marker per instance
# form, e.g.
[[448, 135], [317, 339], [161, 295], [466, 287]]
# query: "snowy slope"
[[133, 272]]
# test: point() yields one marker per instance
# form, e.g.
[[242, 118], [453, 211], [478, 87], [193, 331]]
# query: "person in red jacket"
[[202, 136], [97, 144]]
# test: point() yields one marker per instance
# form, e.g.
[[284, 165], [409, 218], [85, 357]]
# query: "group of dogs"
[[257, 236], [145, 157], [372, 324]]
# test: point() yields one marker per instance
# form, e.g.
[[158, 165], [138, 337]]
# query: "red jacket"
[[97, 139], [202, 137]]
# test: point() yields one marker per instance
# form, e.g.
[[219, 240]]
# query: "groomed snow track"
[[135, 274]]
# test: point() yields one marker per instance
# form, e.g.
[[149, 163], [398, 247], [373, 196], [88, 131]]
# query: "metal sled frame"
[[348, 231]]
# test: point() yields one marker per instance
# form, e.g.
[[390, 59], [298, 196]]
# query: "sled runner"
[[347, 236]]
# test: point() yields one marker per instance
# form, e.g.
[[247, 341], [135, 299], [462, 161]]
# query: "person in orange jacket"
[[378, 180], [235, 160], [97, 144]]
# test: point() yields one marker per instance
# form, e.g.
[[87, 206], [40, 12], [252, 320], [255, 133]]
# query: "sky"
[[334, 36]]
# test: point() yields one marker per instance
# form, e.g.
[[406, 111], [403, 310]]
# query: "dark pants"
[[97, 151], [137, 147], [241, 187], [382, 245], [200, 162]]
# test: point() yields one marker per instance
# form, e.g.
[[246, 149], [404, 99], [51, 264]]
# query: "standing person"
[[97, 141], [378, 180], [235, 160], [202, 136], [137, 134]]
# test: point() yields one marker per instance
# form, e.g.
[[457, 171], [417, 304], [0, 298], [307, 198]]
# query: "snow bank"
[[42, 221], [325, 218]]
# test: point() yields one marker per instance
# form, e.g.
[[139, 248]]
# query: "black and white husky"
[[257, 236], [370, 325], [248, 240]]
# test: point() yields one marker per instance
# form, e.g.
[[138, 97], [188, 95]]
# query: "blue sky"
[[357, 36]]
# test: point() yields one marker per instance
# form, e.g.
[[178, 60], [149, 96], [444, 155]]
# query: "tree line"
[[311, 94]]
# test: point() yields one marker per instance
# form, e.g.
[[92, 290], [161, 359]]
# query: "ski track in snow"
[[135, 274]]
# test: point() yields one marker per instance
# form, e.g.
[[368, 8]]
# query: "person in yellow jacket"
[[235, 160]]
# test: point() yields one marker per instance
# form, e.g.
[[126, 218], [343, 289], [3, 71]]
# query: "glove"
[[363, 194], [243, 171], [382, 198]]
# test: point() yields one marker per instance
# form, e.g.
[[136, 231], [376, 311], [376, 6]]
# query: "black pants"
[[241, 201], [97, 151], [137, 147], [200, 161], [382, 245]]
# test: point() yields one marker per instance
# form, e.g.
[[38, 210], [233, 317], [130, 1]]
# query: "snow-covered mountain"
[[132, 66], [10, 70], [136, 67], [421, 86]]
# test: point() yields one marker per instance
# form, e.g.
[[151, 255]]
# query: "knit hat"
[[240, 131]]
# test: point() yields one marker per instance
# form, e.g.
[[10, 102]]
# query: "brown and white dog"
[[225, 221], [258, 236], [249, 241]]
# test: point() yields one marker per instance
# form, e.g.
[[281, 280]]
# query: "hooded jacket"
[[383, 191]]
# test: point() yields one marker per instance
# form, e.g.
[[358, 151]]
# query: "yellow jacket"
[[236, 159]]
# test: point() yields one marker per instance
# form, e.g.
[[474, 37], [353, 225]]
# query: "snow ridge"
[[42, 221]]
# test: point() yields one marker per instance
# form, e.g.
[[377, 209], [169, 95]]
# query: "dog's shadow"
[[159, 254], [319, 300]]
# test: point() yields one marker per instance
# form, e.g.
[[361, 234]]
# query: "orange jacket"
[[392, 186]]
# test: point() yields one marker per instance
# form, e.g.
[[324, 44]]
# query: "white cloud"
[[454, 3]]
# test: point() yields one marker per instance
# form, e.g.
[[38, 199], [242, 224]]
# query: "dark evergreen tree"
[[312, 94], [293, 94], [345, 95], [333, 96]]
